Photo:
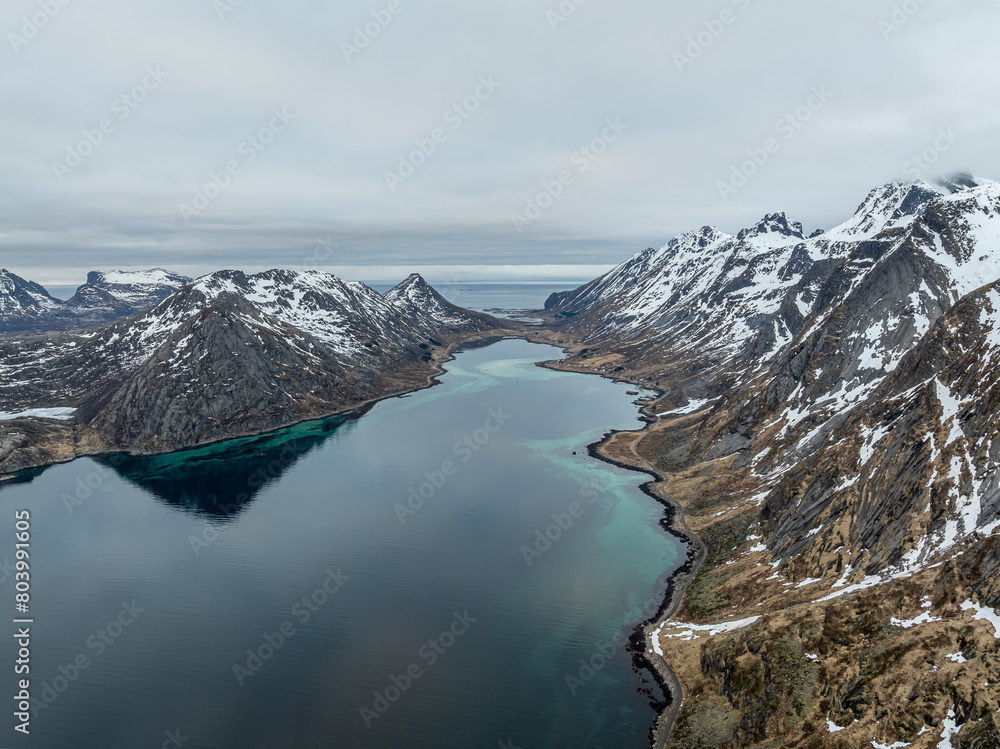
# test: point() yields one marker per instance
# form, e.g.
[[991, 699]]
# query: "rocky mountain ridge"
[[711, 303], [26, 307], [231, 354]]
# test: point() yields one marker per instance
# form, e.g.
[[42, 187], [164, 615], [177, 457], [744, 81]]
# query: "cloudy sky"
[[369, 137]]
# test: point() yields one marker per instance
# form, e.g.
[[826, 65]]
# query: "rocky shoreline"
[[672, 522]]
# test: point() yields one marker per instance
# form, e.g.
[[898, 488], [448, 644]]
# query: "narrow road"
[[659, 488]]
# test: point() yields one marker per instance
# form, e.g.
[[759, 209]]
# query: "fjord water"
[[162, 572]]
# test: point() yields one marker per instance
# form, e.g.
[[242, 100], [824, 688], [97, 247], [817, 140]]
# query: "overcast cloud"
[[869, 85]]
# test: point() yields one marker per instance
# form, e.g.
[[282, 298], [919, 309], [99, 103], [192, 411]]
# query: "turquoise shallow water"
[[374, 616]]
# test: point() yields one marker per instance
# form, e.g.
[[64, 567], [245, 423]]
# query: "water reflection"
[[219, 481]]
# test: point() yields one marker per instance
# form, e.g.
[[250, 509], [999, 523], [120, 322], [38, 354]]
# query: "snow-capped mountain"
[[121, 293], [878, 304], [232, 353], [431, 311], [822, 357], [107, 296], [728, 298], [829, 427], [23, 303], [919, 459], [709, 291], [351, 319]]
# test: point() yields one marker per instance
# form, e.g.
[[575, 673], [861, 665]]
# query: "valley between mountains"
[[826, 433]]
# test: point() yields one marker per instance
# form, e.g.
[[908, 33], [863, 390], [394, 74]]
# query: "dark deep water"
[[219, 546]]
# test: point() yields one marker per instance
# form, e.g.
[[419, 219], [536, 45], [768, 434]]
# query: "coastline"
[[673, 522]]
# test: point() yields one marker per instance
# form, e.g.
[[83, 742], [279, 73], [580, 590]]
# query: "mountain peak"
[[426, 308], [888, 206], [22, 298], [153, 276], [118, 293], [412, 280], [893, 203], [773, 223], [415, 289], [108, 295]]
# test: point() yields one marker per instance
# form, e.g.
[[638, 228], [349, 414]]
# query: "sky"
[[474, 140]]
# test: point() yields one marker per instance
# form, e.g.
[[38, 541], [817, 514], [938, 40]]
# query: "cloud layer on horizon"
[[544, 83]]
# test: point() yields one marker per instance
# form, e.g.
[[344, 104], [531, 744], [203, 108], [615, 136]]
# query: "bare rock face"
[[914, 470], [855, 426], [34, 442], [11, 443], [226, 370]]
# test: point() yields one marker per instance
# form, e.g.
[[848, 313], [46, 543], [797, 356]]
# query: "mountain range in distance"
[[826, 428], [26, 307]]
